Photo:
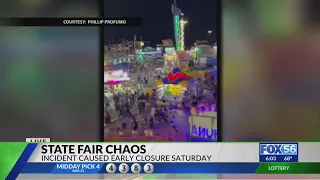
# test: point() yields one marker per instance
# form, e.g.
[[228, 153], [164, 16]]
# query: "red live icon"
[[38, 140]]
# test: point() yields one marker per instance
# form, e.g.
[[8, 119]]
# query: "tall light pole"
[[209, 34]]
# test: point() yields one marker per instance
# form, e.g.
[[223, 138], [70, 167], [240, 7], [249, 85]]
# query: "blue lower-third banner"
[[170, 168]]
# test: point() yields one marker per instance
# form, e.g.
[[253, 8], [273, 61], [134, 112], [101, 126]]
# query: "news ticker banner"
[[157, 158], [70, 22]]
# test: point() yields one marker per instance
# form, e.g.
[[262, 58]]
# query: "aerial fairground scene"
[[160, 78]]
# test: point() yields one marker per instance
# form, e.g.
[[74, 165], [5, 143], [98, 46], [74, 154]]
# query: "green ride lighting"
[[177, 31], [140, 55], [199, 51]]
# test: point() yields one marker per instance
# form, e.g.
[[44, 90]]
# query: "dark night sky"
[[157, 19]]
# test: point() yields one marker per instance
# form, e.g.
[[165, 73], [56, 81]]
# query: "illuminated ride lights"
[[176, 23]]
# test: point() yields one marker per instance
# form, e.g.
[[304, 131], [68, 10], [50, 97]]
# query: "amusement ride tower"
[[178, 24], [182, 25]]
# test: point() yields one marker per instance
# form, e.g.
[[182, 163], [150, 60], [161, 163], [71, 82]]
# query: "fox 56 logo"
[[278, 149]]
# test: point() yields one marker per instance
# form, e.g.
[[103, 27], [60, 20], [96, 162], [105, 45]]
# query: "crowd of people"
[[137, 111], [153, 118], [146, 72]]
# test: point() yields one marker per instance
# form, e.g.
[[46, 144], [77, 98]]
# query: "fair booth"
[[175, 87], [204, 126]]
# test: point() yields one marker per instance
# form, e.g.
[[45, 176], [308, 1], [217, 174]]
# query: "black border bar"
[[219, 104], [70, 22], [101, 73]]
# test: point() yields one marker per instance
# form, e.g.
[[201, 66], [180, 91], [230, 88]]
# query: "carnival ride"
[[179, 24]]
